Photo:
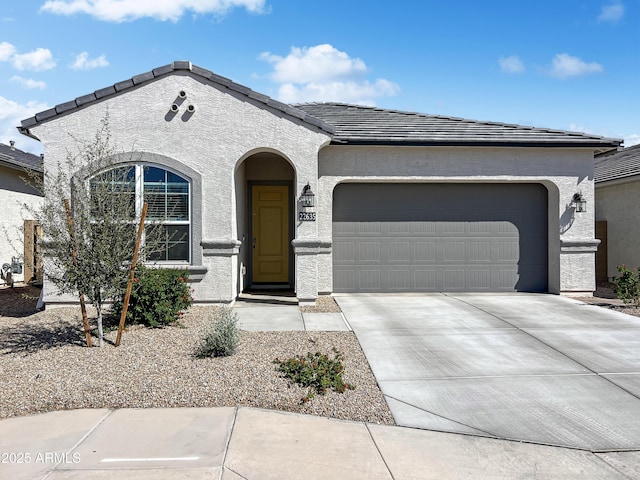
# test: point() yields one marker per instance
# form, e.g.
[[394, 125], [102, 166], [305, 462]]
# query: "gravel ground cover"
[[45, 365]]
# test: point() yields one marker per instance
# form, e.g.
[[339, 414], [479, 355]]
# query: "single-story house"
[[329, 197], [16, 190], [617, 189]]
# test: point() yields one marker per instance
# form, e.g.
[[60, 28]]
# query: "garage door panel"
[[424, 237]]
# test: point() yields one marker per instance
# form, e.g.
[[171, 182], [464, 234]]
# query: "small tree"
[[103, 229]]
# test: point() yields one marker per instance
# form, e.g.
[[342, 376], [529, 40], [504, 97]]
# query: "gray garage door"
[[439, 237]]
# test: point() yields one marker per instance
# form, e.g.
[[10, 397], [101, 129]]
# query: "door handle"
[[254, 242]]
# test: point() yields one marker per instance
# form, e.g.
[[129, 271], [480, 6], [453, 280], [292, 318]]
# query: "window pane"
[[154, 175], [178, 207], [167, 195], [177, 242], [173, 178], [156, 209], [113, 193], [173, 243]]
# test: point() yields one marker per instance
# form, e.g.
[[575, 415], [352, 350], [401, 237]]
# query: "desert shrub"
[[628, 285], [224, 337], [158, 298], [316, 371]]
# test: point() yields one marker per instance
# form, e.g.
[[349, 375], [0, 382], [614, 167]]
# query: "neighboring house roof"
[[353, 124], [622, 164], [14, 158], [167, 70], [359, 125]]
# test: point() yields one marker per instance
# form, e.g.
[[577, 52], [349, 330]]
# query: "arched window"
[[168, 197]]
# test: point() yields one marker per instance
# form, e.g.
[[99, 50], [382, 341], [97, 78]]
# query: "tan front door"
[[270, 227]]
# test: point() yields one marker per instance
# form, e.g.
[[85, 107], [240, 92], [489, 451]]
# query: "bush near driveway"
[[628, 285], [316, 371]]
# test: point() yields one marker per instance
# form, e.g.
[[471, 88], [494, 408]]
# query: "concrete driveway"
[[535, 368]]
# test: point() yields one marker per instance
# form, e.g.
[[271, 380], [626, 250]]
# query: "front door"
[[270, 232]]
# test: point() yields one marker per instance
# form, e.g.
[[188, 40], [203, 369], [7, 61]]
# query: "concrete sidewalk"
[[246, 443]]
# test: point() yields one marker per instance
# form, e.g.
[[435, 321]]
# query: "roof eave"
[[27, 132], [617, 181], [20, 166], [596, 145]]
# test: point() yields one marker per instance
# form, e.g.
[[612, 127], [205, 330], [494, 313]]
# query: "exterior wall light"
[[307, 196], [579, 203]]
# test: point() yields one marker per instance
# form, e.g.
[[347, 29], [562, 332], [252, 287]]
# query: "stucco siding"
[[618, 204], [225, 129]]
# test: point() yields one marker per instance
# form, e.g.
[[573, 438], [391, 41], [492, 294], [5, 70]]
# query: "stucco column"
[[577, 263], [220, 256], [306, 252]]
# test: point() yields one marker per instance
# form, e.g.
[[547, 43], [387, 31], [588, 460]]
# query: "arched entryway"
[[265, 221]]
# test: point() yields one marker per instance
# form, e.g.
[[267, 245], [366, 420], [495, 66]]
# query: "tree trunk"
[[99, 309], [100, 339]]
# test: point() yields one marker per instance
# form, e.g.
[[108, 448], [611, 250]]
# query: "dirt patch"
[[19, 301]]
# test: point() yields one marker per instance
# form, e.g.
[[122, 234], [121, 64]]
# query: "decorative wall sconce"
[[307, 196], [579, 203]]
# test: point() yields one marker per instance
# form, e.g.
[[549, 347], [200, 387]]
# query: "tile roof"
[[357, 124], [354, 124], [167, 70], [622, 164], [15, 158]]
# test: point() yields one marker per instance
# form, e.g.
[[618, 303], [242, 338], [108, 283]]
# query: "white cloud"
[[564, 66], [128, 10], [7, 51], [83, 62], [28, 82], [324, 73], [612, 12], [11, 114], [511, 64], [631, 140], [38, 60], [313, 64]]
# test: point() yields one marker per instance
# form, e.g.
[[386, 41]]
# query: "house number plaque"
[[306, 216]]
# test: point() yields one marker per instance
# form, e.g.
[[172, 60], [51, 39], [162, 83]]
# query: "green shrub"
[[316, 371], [224, 337], [158, 298], [628, 285]]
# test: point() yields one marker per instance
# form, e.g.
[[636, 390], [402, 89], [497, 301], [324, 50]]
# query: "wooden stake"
[[74, 254], [132, 271]]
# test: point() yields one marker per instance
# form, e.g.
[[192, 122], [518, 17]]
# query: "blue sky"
[[564, 64]]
